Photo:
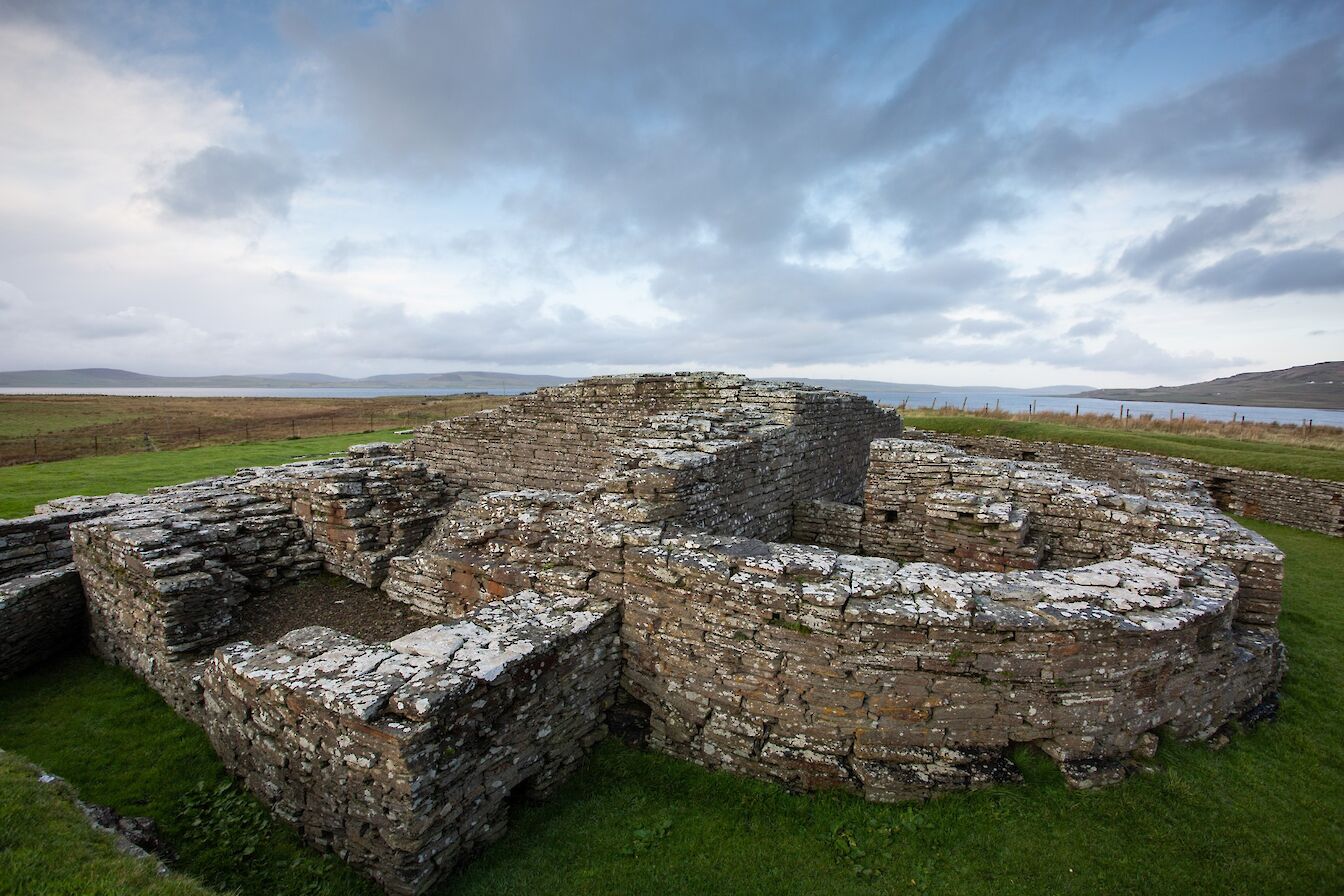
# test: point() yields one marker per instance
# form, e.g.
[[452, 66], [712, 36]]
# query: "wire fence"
[[121, 438]]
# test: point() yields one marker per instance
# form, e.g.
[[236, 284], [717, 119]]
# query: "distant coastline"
[[1315, 386]]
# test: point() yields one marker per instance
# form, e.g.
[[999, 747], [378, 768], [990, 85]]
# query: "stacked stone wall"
[[41, 613], [830, 524], [1316, 505], [562, 437], [926, 501], [163, 578], [714, 451], [42, 541], [360, 511], [821, 670], [402, 757]]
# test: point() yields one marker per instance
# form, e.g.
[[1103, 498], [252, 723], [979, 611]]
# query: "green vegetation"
[[23, 487], [1261, 815], [1296, 460], [48, 847], [25, 415]]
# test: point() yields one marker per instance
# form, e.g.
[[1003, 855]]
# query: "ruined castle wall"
[[821, 670], [830, 524], [402, 757], [163, 578], [41, 613], [926, 501], [562, 437], [42, 541], [716, 451], [751, 490], [1313, 504], [360, 511]]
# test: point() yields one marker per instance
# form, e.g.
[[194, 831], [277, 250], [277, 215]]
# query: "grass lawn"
[[24, 486], [1263, 815], [1296, 460], [48, 847]]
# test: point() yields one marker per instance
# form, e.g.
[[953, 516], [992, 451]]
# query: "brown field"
[[56, 427], [1250, 431]]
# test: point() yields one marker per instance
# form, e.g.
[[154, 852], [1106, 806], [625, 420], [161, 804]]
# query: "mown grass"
[[1313, 461], [1263, 815], [23, 487]]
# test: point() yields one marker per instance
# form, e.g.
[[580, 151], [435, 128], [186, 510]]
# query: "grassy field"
[[1263, 815], [1318, 461], [53, 427], [34, 816], [22, 487]]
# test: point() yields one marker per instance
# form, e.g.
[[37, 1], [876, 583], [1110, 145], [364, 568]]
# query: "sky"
[[984, 193]]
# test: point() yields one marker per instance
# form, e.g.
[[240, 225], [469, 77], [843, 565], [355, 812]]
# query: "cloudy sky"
[[1124, 193]]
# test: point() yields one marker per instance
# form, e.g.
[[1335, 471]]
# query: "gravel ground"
[[333, 601]]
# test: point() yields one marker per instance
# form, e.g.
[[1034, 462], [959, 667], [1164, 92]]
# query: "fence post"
[[34, 449], [293, 428]]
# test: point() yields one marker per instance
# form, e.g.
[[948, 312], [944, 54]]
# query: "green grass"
[[22, 487], [1295, 460], [47, 846], [23, 416], [1263, 815]]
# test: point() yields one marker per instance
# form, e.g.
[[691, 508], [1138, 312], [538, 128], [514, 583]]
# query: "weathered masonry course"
[[768, 577]]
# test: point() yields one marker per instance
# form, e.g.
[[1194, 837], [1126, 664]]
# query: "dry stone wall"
[[41, 613], [931, 502], [163, 579], [42, 541], [359, 511], [1313, 504], [826, 670], [401, 757], [719, 452], [822, 669]]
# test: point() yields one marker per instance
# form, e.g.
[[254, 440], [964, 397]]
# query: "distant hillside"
[[1310, 386], [106, 377]]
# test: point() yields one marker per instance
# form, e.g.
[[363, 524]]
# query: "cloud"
[[729, 185], [1093, 326], [984, 328], [1285, 115], [218, 182], [1251, 273], [1186, 235]]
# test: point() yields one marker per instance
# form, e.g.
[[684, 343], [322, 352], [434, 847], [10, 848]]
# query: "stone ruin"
[[759, 577]]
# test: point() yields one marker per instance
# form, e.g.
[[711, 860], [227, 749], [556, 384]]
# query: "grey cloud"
[[991, 45], [1094, 326], [1251, 273], [525, 334], [1269, 119], [948, 191], [728, 284], [984, 328], [671, 120], [120, 324], [821, 237], [219, 182], [1186, 235]]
